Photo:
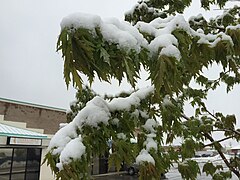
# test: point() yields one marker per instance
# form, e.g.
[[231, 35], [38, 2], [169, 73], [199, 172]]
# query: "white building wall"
[[45, 171]]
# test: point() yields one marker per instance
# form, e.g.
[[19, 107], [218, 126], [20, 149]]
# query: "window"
[[5, 162], [20, 163], [33, 164]]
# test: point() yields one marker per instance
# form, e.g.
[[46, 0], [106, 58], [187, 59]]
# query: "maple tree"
[[174, 52]]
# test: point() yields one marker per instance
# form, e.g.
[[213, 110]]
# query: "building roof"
[[10, 131], [236, 147], [32, 104]]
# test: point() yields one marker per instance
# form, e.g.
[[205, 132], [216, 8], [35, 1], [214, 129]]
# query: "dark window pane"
[[33, 164], [19, 164], [5, 163], [18, 176]]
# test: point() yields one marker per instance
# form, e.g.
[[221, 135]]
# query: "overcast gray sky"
[[30, 68], [32, 71]]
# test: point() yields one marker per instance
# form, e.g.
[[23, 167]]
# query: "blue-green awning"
[[10, 131]]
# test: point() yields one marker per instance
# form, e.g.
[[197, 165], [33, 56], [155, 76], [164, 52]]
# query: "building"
[[25, 131], [235, 150]]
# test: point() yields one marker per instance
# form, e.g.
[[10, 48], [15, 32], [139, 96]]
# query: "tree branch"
[[211, 144], [235, 171]]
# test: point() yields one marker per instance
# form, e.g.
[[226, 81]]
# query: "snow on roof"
[[10, 131], [236, 147]]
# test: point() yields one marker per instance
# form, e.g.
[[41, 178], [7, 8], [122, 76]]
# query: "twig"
[[211, 144]]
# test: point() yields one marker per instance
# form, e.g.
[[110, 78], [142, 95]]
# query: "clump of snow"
[[150, 144], [164, 40], [149, 125], [113, 31], [115, 121], [96, 111], [61, 125], [171, 51], [167, 101], [146, 27], [73, 150], [81, 20], [133, 140], [123, 34], [136, 113], [144, 156], [200, 31], [161, 22], [73, 103], [121, 136], [62, 138], [144, 114], [121, 104], [233, 27]]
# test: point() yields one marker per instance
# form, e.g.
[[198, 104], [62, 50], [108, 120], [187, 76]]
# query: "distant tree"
[[174, 53]]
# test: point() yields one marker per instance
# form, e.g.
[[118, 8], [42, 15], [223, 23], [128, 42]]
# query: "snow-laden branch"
[[112, 30], [67, 141], [130, 37]]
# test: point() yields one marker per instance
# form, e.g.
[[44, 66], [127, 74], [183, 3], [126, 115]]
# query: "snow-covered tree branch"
[[174, 52]]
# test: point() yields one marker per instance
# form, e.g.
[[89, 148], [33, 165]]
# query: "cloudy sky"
[[32, 71], [30, 68]]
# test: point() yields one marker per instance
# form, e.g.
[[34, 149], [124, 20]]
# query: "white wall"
[[45, 171]]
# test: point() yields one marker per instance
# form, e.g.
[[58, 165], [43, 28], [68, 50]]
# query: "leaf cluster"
[[88, 53]]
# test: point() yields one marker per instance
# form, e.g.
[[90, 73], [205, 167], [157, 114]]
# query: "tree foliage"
[[174, 52]]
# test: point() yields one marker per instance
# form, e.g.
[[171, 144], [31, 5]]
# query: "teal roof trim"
[[10, 131]]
